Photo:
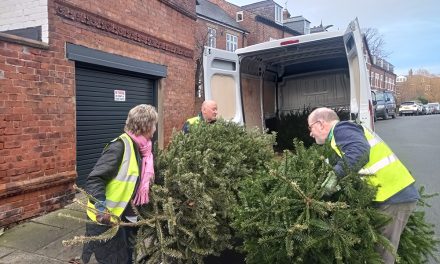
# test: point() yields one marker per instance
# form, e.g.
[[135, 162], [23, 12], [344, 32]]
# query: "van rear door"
[[222, 83], [361, 105]]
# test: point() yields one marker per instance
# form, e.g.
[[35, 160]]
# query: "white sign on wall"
[[120, 95]]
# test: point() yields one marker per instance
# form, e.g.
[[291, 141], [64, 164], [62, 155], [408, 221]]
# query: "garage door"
[[103, 99]]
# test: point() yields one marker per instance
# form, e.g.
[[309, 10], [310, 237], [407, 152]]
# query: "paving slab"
[[76, 206], [5, 251], [53, 219], [22, 257], [57, 250], [31, 236]]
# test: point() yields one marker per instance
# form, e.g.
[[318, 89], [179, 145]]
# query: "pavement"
[[39, 240]]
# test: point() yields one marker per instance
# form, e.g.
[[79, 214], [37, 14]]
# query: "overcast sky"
[[411, 29]]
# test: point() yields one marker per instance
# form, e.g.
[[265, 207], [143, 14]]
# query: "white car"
[[410, 108], [436, 107]]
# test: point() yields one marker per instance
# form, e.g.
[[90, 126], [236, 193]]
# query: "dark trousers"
[[118, 249]]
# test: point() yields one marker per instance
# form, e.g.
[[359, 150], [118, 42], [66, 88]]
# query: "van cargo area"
[[259, 83], [294, 77]]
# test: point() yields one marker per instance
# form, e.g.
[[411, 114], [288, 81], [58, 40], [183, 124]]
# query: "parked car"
[[436, 107], [410, 108], [427, 109], [384, 104]]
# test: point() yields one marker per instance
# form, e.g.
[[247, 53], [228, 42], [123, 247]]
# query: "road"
[[416, 141]]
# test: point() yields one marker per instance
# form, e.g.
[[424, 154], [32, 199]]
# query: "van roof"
[[313, 52], [279, 43]]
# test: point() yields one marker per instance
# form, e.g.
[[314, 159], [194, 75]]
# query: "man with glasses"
[[357, 148]]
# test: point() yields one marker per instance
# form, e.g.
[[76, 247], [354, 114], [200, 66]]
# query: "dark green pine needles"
[[193, 206], [286, 219], [221, 184]]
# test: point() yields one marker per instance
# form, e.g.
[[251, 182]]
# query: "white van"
[[262, 81]]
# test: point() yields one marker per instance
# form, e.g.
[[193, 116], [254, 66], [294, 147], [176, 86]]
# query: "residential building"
[[380, 71], [228, 26], [217, 29], [262, 20], [298, 23], [69, 72], [266, 22]]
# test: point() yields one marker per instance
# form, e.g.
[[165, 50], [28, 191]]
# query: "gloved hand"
[[330, 184], [103, 215]]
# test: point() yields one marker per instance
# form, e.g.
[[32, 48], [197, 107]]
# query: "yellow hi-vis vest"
[[119, 190], [386, 170], [193, 120]]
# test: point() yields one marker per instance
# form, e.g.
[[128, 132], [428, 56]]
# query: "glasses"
[[311, 125]]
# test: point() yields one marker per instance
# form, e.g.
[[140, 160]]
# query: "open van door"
[[361, 105], [222, 83]]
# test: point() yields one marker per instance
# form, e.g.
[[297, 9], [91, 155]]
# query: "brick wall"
[[18, 14], [258, 32], [202, 29], [267, 11], [37, 136], [37, 95]]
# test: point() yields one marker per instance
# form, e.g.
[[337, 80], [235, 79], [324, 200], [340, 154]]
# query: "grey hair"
[[325, 114], [140, 119]]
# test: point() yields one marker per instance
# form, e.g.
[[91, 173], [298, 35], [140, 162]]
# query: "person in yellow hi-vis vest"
[[357, 148], [207, 114], [121, 178]]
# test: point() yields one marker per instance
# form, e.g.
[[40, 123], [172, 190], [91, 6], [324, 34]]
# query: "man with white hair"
[[359, 149], [208, 114]]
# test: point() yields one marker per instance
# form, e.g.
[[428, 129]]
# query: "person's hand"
[[330, 184], [104, 218], [103, 215]]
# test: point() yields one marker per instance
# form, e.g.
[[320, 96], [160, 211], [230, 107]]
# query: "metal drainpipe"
[[263, 125]]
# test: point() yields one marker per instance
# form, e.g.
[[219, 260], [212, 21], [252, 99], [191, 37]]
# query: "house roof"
[[263, 3], [206, 9], [296, 19], [273, 24]]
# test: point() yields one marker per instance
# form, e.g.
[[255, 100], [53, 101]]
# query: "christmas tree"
[[286, 218], [190, 212], [221, 185]]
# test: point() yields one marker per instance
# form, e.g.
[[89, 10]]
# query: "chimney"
[[286, 14]]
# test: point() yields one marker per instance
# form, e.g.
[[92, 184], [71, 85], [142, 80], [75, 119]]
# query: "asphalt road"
[[416, 141]]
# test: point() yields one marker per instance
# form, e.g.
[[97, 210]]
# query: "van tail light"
[[370, 109], [289, 42]]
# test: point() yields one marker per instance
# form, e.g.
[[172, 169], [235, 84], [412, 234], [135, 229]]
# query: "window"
[[211, 37], [376, 81], [239, 17], [278, 14], [231, 42], [306, 27]]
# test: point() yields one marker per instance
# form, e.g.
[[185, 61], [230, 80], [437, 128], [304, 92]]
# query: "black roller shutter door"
[[99, 118]]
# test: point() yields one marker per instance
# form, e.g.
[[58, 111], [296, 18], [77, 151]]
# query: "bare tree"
[[201, 42], [376, 43]]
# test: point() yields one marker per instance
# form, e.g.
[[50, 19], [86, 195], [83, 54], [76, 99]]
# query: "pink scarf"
[[147, 173]]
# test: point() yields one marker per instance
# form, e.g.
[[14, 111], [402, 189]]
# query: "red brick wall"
[[267, 11], [202, 29], [37, 136], [37, 96], [258, 32]]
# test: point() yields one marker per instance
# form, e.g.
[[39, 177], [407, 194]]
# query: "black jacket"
[[106, 168]]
